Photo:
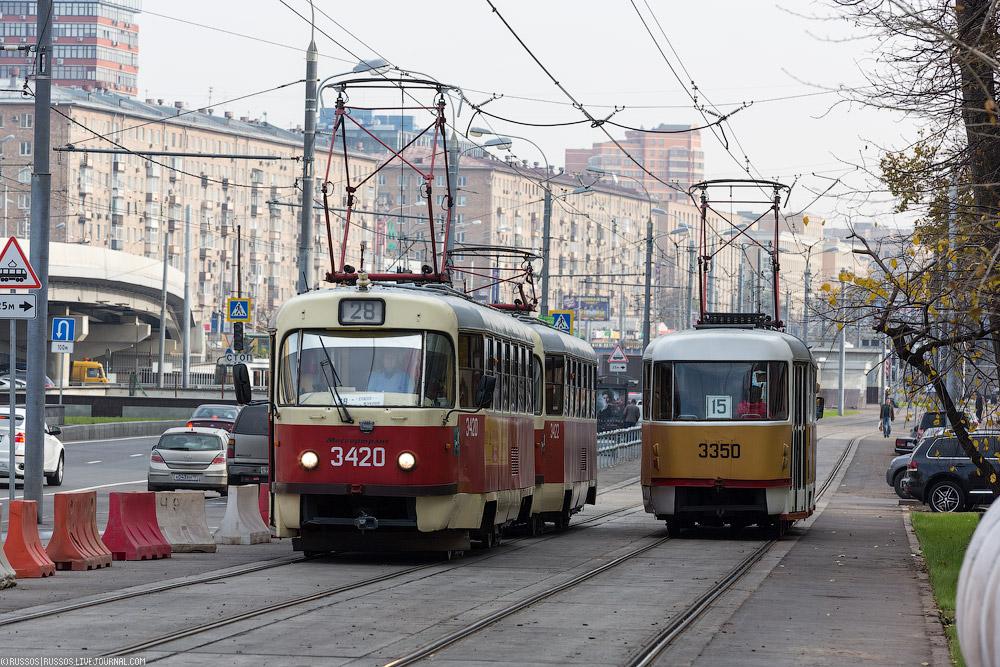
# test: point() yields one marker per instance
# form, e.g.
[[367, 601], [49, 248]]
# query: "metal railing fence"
[[618, 446]]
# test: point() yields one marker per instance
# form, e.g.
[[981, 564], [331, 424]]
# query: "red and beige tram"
[[565, 428], [404, 418], [729, 432]]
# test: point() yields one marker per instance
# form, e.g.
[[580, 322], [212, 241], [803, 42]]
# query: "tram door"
[[800, 396]]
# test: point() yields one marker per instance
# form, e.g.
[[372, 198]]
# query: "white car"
[[55, 456]]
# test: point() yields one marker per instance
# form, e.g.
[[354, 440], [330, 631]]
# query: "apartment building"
[[135, 203]]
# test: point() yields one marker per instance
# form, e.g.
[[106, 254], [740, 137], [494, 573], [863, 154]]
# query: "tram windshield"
[[384, 368], [720, 391]]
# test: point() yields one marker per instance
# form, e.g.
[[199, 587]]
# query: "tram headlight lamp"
[[308, 459], [406, 461]]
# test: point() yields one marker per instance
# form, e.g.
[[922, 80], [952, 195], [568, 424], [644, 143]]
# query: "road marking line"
[[132, 456], [93, 462]]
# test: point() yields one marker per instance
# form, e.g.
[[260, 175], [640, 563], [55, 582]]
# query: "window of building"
[[25, 148]]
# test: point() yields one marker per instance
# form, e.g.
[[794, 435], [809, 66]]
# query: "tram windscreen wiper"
[[345, 415]]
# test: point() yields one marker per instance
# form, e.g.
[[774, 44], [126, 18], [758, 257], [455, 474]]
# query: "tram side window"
[[554, 380], [525, 380], [470, 368], [647, 388], [439, 377], [508, 385], [537, 382], [663, 393]]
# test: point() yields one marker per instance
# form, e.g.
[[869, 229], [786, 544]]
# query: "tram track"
[[583, 523], [662, 639], [258, 567], [336, 590], [650, 651]]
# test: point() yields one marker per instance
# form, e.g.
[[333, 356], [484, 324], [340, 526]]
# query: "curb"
[[940, 653], [114, 430]]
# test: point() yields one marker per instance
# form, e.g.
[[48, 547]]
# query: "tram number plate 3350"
[[359, 457], [718, 450]]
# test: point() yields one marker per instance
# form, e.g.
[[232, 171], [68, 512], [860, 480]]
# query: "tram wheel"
[[562, 521], [674, 526], [453, 554], [535, 525]]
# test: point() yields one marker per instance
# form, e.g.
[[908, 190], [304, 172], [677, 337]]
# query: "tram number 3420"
[[718, 450], [361, 457]]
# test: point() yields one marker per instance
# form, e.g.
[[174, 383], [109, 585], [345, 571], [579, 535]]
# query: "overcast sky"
[[751, 50]]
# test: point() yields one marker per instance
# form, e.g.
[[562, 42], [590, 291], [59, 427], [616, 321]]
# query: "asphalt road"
[[102, 465]]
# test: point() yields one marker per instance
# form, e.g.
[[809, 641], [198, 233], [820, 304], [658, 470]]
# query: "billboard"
[[595, 308]]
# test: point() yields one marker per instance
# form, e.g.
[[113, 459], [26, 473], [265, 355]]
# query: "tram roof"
[[557, 342], [725, 344], [468, 313]]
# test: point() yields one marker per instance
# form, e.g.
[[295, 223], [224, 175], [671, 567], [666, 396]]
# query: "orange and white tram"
[[405, 418], [729, 432]]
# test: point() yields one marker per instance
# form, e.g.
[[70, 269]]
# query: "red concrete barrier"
[[264, 502], [22, 546], [75, 544], [132, 532]]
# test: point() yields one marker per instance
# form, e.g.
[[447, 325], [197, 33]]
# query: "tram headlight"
[[406, 461], [308, 460]]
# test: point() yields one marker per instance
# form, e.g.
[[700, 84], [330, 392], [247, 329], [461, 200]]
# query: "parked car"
[[214, 416], [21, 380], [895, 472], [189, 458], [937, 419], [905, 446], [54, 459], [942, 476], [246, 456]]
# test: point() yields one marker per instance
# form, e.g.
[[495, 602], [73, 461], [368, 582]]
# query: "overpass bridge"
[[115, 299]]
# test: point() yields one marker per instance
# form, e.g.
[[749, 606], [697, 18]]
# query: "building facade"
[[672, 152], [95, 42], [142, 204]]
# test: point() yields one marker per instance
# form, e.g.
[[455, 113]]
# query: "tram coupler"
[[365, 522]]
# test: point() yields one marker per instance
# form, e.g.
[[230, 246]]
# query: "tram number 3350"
[[718, 450], [361, 457]]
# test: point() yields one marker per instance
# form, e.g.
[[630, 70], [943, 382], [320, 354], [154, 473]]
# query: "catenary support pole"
[[453, 157], [161, 362], [12, 423], [41, 184], [186, 324], [843, 361], [546, 247], [690, 285], [807, 278], [649, 283], [305, 260]]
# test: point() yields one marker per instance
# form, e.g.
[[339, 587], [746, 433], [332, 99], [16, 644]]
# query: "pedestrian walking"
[[632, 414], [980, 406], [886, 417]]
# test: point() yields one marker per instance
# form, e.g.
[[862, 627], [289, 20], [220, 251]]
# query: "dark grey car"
[[895, 472], [246, 456]]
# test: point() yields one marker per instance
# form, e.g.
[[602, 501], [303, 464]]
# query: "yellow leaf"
[[893, 263], [805, 220], [825, 287]]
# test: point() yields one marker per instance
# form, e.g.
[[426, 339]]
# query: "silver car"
[[189, 458]]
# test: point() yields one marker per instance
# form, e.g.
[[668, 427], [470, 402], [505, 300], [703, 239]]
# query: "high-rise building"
[[672, 152], [95, 43]]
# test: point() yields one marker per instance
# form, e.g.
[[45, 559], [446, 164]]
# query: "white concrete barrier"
[[977, 598], [242, 523], [182, 520], [7, 575]]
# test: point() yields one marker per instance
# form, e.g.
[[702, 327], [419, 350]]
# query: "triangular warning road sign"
[[15, 269], [618, 354]]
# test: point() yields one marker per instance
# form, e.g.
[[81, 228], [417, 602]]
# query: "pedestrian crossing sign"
[[562, 320], [238, 310]]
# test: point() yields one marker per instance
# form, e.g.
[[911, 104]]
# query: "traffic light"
[[238, 336]]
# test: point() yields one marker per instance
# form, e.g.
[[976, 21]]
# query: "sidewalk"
[[846, 593]]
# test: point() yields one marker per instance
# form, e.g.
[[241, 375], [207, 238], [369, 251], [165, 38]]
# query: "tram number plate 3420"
[[718, 450]]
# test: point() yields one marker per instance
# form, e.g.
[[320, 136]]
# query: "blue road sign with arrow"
[[63, 329]]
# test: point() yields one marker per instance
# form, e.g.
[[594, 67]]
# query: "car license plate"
[[186, 478]]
